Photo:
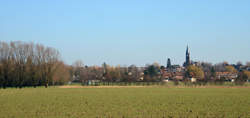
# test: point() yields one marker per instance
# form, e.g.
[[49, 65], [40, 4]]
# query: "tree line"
[[204, 72], [105, 73], [28, 64]]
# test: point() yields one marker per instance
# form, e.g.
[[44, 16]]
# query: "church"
[[178, 68], [188, 61]]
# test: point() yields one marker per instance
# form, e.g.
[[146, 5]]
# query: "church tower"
[[169, 63], [187, 63]]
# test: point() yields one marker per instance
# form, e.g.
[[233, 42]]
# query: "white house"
[[193, 79]]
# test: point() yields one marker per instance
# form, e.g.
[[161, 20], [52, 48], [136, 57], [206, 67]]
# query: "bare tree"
[[77, 70], [26, 64]]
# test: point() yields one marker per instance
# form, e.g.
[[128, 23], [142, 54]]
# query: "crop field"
[[124, 102]]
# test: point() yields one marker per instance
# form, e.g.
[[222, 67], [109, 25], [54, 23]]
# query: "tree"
[[134, 73], [248, 64], [26, 64], [246, 75], [77, 70], [220, 67], [113, 74], [206, 67], [6, 62], [78, 64], [225, 63], [51, 57], [243, 76], [213, 72], [231, 69], [152, 72], [196, 72], [239, 63], [61, 75]]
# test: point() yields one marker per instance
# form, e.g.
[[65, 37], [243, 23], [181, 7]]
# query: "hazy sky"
[[132, 31]]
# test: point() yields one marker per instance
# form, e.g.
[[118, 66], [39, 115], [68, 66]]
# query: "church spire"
[[187, 50], [187, 63]]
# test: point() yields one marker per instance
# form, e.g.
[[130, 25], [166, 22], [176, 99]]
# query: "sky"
[[132, 31]]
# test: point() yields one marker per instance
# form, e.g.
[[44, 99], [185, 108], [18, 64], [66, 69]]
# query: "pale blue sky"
[[132, 31]]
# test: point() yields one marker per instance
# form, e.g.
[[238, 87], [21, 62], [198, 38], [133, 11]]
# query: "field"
[[124, 102]]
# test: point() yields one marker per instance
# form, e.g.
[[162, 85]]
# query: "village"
[[190, 71]]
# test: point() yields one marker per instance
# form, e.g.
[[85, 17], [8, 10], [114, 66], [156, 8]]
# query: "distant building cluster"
[[190, 71], [177, 72]]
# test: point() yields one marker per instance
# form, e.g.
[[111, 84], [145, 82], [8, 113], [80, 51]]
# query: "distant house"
[[141, 79], [93, 82], [166, 75], [193, 79], [167, 80], [226, 75], [174, 68], [179, 77], [141, 76], [173, 75], [75, 78]]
